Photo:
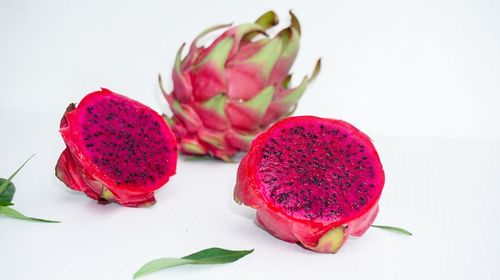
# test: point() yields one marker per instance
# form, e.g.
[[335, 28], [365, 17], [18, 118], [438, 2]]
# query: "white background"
[[422, 78]]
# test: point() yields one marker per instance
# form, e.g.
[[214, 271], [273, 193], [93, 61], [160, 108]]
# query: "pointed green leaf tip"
[[295, 22], [264, 22], [294, 95], [394, 229], [268, 20], [261, 101], [216, 103], [290, 40], [218, 55], [248, 31], [207, 256], [267, 56], [162, 88], [317, 69], [4, 185], [178, 59], [286, 81], [9, 212], [210, 29], [6, 195]]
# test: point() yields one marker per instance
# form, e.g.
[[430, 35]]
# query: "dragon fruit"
[[227, 93], [313, 181], [117, 149]]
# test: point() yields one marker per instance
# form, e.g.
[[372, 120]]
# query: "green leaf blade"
[[7, 194], [159, 264], [4, 185], [207, 256], [394, 229], [217, 255], [10, 212]]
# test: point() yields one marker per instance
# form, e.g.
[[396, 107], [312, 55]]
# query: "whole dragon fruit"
[[117, 149], [314, 181], [227, 93]]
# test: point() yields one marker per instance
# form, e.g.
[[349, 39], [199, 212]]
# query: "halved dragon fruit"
[[117, 149], [313, 181]]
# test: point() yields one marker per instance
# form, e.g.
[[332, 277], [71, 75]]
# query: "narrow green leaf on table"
[[394, 229], [5, 183], [9, 212], [207, 256], [7, 190]]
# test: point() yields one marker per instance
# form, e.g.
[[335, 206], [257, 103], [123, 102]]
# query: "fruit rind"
[[316, 235], [77, 171], [237, 85]]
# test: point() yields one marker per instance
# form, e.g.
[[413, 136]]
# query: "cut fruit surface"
[[308, 177], [117, 149]]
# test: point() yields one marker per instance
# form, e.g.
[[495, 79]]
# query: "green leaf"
[[394, 229], [217, 255], [160, 264], [8, 193], [4, 185], [207, 256], [9, 212]]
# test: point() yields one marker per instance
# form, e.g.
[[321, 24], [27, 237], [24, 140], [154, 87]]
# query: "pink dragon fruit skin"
[[312, 181], [117, 150], [225, 94]]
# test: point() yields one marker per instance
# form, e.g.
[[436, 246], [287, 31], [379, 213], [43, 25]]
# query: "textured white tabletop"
[[421, 78]]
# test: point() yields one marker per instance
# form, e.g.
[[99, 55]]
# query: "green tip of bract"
[[317, 69], [268, 20], [295, 22], [162, 88], [261, 101], [264, 22], [210, 29], [192, 147], [178, 58]]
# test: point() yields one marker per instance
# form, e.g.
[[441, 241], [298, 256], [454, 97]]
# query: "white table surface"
[[421, 78]]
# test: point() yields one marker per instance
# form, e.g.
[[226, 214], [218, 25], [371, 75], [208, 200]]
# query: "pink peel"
[[103, 138], [233, 70], [283, 214]]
